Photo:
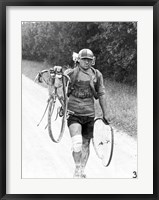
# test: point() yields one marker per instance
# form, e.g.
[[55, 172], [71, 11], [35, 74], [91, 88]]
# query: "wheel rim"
[[101, 153]]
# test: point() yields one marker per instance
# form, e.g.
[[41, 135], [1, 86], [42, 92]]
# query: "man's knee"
[[77, 143]]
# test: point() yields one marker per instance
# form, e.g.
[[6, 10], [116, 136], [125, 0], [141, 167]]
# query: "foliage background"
[[114, 45]]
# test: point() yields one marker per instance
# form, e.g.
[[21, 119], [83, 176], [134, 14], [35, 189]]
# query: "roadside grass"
[[121, 103], [31, 68], [121, 100]]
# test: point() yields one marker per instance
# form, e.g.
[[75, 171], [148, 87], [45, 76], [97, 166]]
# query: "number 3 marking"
[[135, 174]]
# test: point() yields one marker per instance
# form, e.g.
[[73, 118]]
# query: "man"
[[86, 84]]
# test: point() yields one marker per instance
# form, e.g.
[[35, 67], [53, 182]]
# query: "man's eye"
[[85, 60]]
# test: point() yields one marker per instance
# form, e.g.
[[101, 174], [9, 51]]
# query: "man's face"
[[85, 63]]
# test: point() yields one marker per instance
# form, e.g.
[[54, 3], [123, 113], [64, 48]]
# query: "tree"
[[113, 43], [117, 50]]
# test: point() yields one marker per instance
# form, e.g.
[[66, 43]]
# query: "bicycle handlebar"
[[50, 71]]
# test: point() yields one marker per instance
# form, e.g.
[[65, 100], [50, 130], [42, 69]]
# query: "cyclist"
[[86, 84]]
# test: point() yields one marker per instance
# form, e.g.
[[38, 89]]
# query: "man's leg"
[[75, 132], [85, 154]]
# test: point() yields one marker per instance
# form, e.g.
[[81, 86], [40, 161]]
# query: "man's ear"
[[93, 61]]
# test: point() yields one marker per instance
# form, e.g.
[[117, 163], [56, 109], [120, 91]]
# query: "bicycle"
[[55, 80], [103, 140]]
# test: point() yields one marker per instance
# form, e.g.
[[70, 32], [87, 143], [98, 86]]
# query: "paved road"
[[41, 158]]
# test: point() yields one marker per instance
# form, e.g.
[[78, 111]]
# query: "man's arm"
[[102, 102], [102, 96]]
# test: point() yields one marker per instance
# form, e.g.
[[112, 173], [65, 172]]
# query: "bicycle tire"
[[103, 141], [63, 118], [50, 111]]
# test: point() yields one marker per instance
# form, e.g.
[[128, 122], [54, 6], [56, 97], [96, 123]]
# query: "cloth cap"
[[86, 53]]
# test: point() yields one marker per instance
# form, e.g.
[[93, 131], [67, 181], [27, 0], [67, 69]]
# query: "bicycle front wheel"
[[56, 129], [103, 141]]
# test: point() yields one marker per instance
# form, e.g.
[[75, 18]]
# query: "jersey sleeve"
[[69, 72], [100, 88]]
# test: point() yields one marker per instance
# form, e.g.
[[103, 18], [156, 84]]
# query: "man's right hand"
[[57, 69]]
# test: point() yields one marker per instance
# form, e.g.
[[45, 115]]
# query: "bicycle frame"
[[53, 76]]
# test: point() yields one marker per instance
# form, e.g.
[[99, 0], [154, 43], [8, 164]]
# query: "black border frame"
[[3, 6]]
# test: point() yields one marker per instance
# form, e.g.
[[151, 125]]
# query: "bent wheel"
[[103, 141]]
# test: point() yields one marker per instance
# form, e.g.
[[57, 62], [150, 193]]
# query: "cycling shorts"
[[86, 122]]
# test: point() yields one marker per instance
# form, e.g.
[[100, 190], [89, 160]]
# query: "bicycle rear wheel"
[[103, 141]]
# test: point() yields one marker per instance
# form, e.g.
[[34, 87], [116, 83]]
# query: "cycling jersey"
[[81, 97]]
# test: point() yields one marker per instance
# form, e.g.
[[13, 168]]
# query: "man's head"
[[86, 58]]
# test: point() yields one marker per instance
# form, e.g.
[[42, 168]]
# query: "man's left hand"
[[106, 120]]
